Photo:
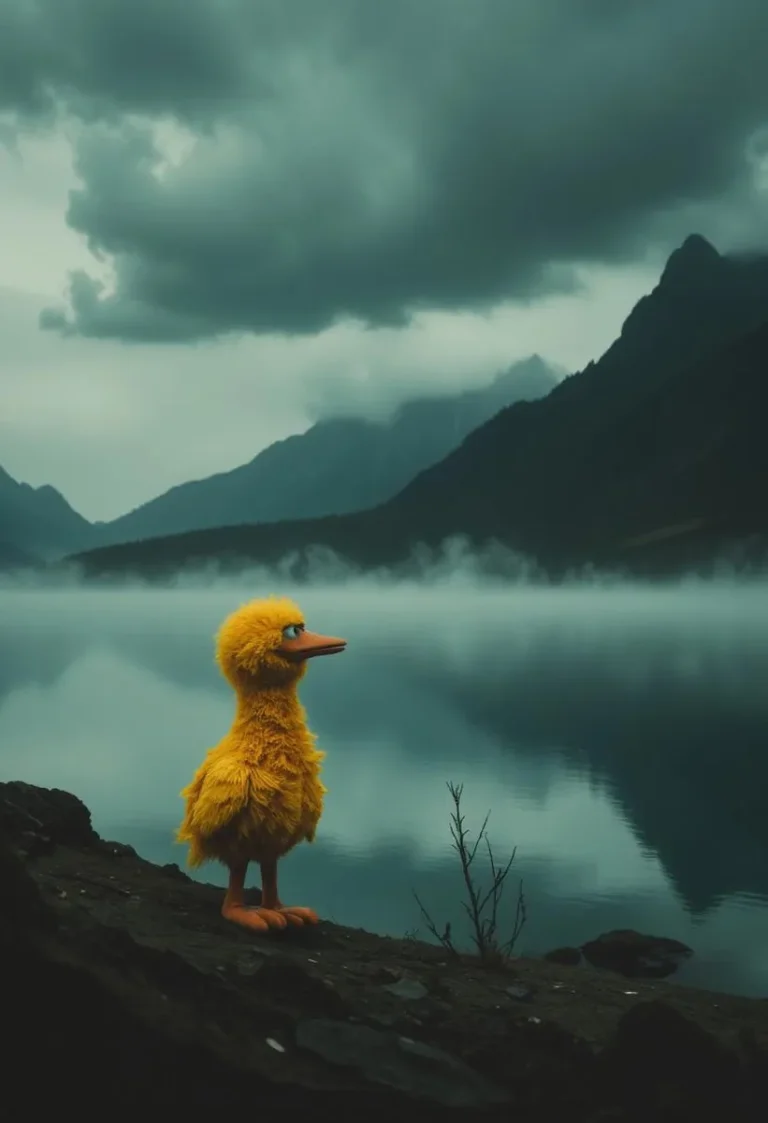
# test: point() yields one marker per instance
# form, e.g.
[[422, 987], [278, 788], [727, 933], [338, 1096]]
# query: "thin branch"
[[481, 907], [443, 937]]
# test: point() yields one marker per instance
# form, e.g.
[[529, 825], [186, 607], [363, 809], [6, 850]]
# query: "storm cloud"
[[276, 167]]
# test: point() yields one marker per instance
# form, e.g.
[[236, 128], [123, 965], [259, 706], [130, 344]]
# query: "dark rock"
[[23, 910], [117, 849], [382, 1018], [520, 992], [655, 1040], [635, 955], [531, 1054], [409, 989], [546, 1036], [293, 984], [117, 979], [567, 957], [173, 870], [667, 1065], [388, 974], [99, 1015], [48, 815], [409, 1066], [437, 985]]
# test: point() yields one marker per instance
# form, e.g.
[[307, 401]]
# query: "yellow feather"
[[258, 792]]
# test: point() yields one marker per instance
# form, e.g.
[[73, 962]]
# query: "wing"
[[217, 795]]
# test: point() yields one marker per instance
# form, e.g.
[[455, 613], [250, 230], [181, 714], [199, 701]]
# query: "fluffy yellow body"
[[256, 795], [258, 792]]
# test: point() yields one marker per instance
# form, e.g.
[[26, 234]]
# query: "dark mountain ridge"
[[38, 521], [652, 457], [659, 431], [338, 466]]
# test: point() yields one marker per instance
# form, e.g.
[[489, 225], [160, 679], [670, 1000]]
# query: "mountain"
[[14, 558], [653, 457], [37, 521], [661, 441], [337, 466]]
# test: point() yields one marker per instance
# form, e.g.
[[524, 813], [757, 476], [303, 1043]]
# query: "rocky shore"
[[123, 991]]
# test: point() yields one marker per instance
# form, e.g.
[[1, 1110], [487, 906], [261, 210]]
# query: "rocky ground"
[[122, 990]]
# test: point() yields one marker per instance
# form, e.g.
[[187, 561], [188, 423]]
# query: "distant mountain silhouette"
[[338, 466], [654, 457], [37, 522], [12, 558]]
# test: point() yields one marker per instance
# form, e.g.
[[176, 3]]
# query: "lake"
[[616, 734]]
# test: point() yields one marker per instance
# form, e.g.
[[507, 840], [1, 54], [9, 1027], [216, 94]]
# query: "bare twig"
[[443, 937], [482, 908]]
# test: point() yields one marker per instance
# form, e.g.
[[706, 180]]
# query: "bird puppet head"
[[265, 643]]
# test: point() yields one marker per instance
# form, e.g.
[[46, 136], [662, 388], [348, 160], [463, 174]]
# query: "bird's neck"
[[278, 705]]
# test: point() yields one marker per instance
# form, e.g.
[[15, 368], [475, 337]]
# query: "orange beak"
[[308, 644]]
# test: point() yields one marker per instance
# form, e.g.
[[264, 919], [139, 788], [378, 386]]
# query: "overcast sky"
[[222, 219]]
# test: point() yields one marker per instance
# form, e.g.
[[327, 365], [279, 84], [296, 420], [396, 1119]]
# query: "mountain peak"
[[697, 243], [532, 367], [693, 256]]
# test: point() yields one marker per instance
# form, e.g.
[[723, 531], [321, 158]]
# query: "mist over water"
[[616, 732]]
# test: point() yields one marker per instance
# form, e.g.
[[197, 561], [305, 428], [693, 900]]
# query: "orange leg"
[[236, 910], [293, 914]]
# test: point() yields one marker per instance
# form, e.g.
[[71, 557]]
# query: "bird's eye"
[[292, 631]]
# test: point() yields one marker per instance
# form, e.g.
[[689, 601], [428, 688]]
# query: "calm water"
[[618, 737]]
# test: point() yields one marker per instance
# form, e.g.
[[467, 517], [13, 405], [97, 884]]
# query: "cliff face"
[[123, 990]]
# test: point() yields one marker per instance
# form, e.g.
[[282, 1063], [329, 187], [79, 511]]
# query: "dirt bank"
[[123, 990]]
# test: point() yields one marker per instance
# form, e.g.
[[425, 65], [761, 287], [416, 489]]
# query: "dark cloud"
[[108, 56], [365, 160]]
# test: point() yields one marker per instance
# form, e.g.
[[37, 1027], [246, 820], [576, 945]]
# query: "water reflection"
[[618, 736]]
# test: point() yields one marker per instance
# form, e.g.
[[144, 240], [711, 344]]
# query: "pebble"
[[409, 989], [520, 992]]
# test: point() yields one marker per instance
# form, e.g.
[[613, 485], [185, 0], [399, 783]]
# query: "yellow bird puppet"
[[258, 792]]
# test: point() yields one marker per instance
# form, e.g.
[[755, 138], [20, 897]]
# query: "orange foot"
[[257, 919], [298, 916]]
